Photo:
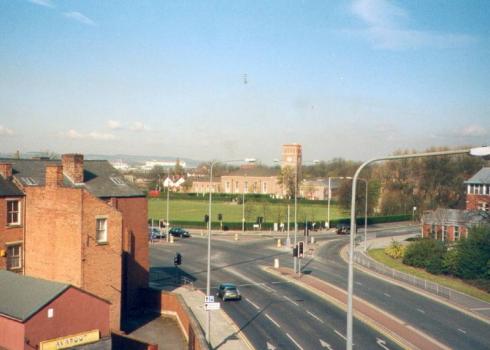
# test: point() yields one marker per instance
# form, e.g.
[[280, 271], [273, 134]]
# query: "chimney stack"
[[6, 170], [54, 175], [73, 167]]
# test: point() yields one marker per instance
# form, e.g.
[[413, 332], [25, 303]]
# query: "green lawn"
[[194, 210], [451, 282]]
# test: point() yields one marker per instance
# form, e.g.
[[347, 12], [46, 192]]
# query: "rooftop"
[[482, 177]]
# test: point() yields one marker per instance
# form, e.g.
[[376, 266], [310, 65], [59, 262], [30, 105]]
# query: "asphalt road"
[[278, 315]]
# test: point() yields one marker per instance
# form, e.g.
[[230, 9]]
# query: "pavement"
[[398, 330], [225, 335], [163, 331]]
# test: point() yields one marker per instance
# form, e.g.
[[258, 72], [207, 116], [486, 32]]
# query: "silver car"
[[228, 291]]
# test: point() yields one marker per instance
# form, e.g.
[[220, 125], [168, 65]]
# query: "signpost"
[[212, 306]]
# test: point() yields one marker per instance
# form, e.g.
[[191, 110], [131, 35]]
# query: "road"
[[278, 315]]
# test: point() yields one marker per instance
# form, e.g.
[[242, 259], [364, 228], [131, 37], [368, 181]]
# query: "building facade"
[[246, 180], [478, 191], [292, 156], [85, 226], [12, 221]]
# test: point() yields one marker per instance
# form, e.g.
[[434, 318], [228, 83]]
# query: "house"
[[85, 226], [12, 222], [478, 191], [317, 189], [41, 314], [202, 187], [252, 179], [451, 224]]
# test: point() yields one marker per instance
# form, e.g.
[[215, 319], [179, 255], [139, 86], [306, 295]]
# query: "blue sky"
[[227, 79]]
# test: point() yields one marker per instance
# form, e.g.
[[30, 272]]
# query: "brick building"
[[249, 179], [451, 224], [85, 226], [478, 191], [292, 157], [38, 314], [12, 221]]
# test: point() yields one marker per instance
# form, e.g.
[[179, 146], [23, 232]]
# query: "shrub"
[[422, 253], [396, 250], [474, 254]]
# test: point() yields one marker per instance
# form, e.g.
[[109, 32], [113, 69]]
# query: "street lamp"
[[479, 152], [208, 275], [243, 203], [168, 195]]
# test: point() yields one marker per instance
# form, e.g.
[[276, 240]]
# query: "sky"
[[237, 79]]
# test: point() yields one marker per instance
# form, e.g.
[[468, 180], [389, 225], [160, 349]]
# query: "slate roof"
[[100, 177], [255, 172], [482, 177], [21, 296], [456, 217], [7, 188]]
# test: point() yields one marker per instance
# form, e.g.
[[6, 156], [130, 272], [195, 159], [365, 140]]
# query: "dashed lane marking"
[[314, 316], [294, 341], [273, 321], [340, 334], [387, 295], [253, 304], [462, 331], [421, 311], [291, 300]]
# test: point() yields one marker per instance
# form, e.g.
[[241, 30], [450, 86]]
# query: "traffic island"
[[399, 331]]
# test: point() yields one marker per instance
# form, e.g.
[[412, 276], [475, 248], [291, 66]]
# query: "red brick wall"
[[11, 334], [135, 244], [426, 228], [102, 262], [472, 201], [60, 242], [12, 233], [74, 312]]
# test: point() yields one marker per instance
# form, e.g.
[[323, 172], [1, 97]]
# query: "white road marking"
[[294, 341], [340, 334], [421, 311], [359, 283], [480, 308], [276, 282], [270, 346], [253, 304], [273, 290], [270, 318], [324, 344], [291, 300], [462, 331], [314, 316], [382, 343], [266, 287], [387, 295]]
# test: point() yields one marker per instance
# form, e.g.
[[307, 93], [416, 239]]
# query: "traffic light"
[[206, 218], [295, 252], [178, 259], [300, 249], [220, 217]]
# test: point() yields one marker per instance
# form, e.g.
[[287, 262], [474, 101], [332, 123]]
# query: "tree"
[[473, 255], [287, 179]]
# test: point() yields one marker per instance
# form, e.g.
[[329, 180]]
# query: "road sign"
[[212, 306], [209, 299]]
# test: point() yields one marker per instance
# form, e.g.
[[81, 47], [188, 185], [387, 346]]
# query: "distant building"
[[249, 179], [478, 191], [317, 189], [41, 314], [203, 187], [149, 165], [451, 224], [292, 156]]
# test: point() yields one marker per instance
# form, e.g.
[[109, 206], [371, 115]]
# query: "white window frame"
[[457, 233], [443, 232], [18, 256], [19, 211], [101, 230]]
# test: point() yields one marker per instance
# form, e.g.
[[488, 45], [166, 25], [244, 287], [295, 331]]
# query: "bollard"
[[312, 239], [276, 263], [201, 233], [171, 239], [278, 243], [236, 236]]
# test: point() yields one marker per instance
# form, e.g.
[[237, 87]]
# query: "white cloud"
[[94, 135], [4, 131], [45, 3], [386, 29], [474, 130], [114, 124], [79, 17], [137, 126]]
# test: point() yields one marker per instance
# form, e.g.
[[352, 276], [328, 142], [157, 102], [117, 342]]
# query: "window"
[[118, 181], [245, 189], [264, 187], [456, 233], [483, 206], [29, 181], [13, 212], [101, 230], [14, 257], [444, 233]]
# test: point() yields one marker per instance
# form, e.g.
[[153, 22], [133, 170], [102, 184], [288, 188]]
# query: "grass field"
[[451, 282], [194, 210]]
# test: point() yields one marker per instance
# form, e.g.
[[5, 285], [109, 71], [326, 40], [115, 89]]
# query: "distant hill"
[[130, 159]]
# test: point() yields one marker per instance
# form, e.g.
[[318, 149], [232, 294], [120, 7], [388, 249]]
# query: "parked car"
[[343, 229], [179, 232], [228, 291], [155, 233]]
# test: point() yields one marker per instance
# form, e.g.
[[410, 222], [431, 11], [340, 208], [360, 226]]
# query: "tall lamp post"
[[208, 275], [168, 196], [243, 203], [478, 152]]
